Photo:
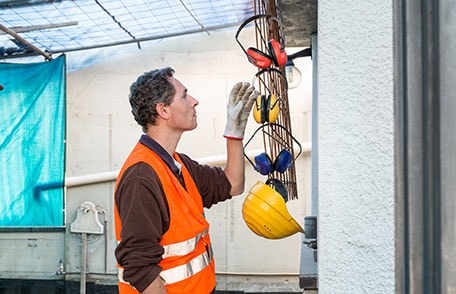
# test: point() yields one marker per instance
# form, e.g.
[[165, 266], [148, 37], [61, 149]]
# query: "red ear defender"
[[276, 53], [258, 58]]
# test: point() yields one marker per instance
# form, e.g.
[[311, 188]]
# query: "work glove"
[[242, 97]]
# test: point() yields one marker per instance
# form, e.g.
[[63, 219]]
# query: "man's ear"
[[162, 110]]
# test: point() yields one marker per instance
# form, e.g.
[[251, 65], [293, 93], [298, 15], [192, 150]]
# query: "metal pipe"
[[105, 233], [91, 179], [16, 36], [315, 128], [83, 264], [41, 27], [100, 210], [303, 53], [112, 175], [144, 39]]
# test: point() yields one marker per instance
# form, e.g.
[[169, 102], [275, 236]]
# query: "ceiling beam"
[[10, 3], [33, 47], [299, 20], [40, 27]]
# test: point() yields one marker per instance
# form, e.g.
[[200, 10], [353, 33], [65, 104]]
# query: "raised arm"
[[241, 99]]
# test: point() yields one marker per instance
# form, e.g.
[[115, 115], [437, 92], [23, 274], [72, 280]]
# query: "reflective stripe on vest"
[[120, 271], [182, 248], [185, 271], [124, 286]]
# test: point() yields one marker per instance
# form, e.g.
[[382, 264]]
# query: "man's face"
[[183, 112]]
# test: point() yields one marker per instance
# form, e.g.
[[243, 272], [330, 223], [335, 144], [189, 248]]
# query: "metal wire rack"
[[58, 26], [278, 135]]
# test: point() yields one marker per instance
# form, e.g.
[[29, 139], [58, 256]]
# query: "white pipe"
[[91, 179], [112, 175]]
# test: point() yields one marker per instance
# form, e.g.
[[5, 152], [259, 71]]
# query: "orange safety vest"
[[187, 264]]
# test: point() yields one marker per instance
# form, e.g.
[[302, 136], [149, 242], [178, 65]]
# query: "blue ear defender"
[[264, 165], [284, 160]]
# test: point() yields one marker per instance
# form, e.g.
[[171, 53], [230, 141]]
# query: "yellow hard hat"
[[265, 212]]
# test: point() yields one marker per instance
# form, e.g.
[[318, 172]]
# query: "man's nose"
[[194, 101]]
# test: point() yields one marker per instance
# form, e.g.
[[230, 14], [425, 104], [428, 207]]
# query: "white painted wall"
[[356, 168], [356, 204], [101, 133]]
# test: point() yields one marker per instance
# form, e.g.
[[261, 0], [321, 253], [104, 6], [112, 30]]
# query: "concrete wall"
[[356, 170], [26, 255], [101, 133]]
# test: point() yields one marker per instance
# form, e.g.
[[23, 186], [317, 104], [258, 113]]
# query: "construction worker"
[[163, 237]]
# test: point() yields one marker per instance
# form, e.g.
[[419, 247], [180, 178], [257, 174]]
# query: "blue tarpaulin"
[[32, 143]]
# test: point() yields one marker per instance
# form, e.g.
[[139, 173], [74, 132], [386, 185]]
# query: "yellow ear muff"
[[272, 109], [258, 109], [266, 109]]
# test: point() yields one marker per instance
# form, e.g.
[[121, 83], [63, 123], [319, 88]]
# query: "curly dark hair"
[[151, 88]]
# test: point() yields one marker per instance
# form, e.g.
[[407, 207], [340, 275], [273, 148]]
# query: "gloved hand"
[[242, 97]]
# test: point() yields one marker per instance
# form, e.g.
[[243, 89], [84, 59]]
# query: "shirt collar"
[[157, 148]]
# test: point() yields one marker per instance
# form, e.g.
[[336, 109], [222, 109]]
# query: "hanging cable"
[[117, 22]]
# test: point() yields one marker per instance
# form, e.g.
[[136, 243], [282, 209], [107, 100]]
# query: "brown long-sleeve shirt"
[[144, 212]]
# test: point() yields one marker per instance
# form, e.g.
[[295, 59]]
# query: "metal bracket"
[[87, 220]]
